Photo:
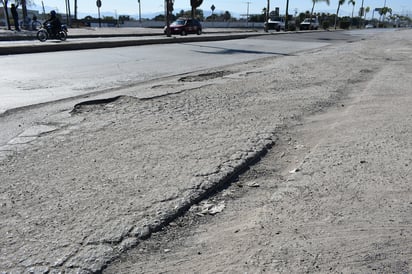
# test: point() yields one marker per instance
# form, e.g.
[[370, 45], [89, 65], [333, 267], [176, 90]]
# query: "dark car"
[[184, 26]]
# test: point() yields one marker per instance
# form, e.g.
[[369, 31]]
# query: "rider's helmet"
[[52, 13]]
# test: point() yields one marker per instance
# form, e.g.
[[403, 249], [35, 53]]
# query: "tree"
[[4, 2], [195, 4], [24, 4], [353, 5], [367, 10], [341, 2], [227, 16], [385, 10], [75, 9], [287, 16], [314, 2]]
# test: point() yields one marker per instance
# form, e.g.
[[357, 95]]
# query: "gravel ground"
[[332, 193]]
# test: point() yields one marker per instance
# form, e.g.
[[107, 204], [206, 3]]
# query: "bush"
[[325, 24], [292, 27], [344, 24]]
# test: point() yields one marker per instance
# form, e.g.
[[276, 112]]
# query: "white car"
[[309, 24], [277, 24]]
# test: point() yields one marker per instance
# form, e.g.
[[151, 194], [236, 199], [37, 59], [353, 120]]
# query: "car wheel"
[[183, 33], [199, 32]]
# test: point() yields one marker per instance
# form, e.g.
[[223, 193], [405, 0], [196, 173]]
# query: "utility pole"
[[247, 13]]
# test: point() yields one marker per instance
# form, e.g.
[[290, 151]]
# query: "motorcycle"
[[46, 32]]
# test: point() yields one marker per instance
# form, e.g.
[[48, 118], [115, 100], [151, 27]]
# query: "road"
[[43, 77], [82, 185]]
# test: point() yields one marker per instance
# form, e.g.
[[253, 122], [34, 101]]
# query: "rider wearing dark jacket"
[[54, 22]]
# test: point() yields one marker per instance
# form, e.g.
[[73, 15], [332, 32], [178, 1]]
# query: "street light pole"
[[99, 4]]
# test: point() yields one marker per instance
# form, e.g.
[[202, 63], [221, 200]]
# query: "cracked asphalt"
[[85, 185]]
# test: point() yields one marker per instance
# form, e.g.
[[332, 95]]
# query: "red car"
[[184, 26]]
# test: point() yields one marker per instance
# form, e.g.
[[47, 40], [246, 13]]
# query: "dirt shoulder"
[[97, 182], [332, 196]]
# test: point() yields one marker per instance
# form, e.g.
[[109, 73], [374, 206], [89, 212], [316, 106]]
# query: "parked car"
[[185, 26], [309, 24], [277, 24]]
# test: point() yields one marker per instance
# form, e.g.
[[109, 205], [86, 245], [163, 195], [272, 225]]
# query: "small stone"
[[253, 184], [294, 170]]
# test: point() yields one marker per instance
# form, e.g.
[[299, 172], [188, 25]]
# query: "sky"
[[235, 7]]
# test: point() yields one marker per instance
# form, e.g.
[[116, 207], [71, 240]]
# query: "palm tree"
[[75, 9], [367, 10], [314, 2], [341, 2], [385, 10], [195, 4], [287, 16], [353, 7]]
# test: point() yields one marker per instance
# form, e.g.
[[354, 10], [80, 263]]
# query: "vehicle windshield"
[[308, 20], [178, 22]]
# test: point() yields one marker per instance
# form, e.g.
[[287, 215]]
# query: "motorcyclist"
[[55, 23]]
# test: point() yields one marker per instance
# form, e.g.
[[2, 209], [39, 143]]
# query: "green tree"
[[367, 10], [195, 4], [227, 16], [353, 2], [353, 7], [385, 10], [316, 1], [341, 2]]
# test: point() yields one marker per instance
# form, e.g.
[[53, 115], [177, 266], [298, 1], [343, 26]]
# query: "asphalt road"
[[44, 77], [81, 186]]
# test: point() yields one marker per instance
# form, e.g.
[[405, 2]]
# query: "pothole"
[[205, 76]]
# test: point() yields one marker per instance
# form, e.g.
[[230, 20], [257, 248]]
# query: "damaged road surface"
[[263, 166]]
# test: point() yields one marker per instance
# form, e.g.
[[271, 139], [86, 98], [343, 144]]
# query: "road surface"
[[43, 77]]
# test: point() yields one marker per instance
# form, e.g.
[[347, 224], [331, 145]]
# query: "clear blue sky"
[[130, 7]]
